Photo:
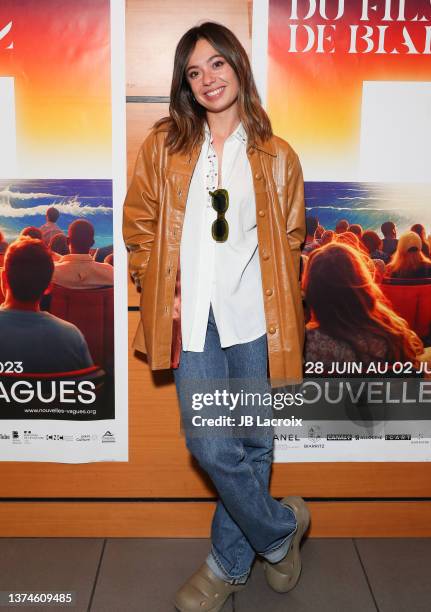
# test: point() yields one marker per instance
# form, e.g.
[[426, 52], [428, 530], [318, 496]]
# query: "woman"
[[350, 318], [409, 260], [419, 229], [216, 195]]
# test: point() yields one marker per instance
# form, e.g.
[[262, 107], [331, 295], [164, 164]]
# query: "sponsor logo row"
[[27, 436], [315, 438]]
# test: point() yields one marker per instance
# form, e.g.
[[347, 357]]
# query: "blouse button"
[[258, 176], [269, 292], [261, 213], [265, 256], [272, 330]]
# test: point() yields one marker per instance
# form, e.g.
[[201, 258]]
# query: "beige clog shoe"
[[204, 592]]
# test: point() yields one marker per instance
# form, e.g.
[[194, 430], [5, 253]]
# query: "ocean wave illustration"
[[349, 208], [67, 206], [18, 195], [365, 198], [8, 195]]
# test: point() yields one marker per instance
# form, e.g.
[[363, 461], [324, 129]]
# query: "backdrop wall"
[[160, 492]]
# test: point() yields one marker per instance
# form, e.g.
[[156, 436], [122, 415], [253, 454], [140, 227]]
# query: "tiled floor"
[[127, 575]]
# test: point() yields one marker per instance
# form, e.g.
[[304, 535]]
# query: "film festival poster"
[[348, 84], [62, 173]]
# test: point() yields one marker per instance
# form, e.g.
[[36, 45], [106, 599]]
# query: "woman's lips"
[[215, 93]]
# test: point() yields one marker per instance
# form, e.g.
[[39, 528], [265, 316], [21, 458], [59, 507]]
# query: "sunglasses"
[[220, 203]]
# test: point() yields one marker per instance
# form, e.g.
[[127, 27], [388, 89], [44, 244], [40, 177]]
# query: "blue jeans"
[[247, 519]]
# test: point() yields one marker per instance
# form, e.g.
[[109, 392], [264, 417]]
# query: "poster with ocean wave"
[[348, 85], [369, 204], [24, 203], [63, 307]]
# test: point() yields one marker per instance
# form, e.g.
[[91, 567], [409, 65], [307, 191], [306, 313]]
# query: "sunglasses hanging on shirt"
[[220, 203]]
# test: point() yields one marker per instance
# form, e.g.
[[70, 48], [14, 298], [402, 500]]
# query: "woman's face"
[[212, 80]]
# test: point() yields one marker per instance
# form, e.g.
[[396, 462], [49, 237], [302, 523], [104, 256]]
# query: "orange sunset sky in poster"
[[58, 53], [315, 99]]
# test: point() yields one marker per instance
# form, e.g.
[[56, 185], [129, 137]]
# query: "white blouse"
[[225, 275]]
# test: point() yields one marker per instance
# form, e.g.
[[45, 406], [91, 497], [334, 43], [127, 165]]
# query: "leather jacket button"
[[261, 213], [272, 330], [258, 176], [269, 292]]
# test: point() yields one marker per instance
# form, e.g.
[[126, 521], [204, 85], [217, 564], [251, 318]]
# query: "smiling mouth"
[[215, 92]]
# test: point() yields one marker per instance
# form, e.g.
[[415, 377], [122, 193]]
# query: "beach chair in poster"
[[411, 299], [92, 311]]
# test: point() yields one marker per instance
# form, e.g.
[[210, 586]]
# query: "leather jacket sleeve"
[[141, 209], [295, 222]]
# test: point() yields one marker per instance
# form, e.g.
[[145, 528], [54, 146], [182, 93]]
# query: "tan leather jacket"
[[152, 225]]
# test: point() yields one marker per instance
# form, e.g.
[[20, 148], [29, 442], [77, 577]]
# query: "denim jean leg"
[[228, 541], [246, 362], [247, 519], [211, 365]]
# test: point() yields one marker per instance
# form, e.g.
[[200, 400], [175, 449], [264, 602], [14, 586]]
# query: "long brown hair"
[[185, 124], [345, 302]]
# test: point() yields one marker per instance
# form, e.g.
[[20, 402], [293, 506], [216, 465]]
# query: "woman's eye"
[[218, 63], [193, 74]]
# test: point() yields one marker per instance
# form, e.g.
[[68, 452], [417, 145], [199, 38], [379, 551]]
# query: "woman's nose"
[[208, 77]]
